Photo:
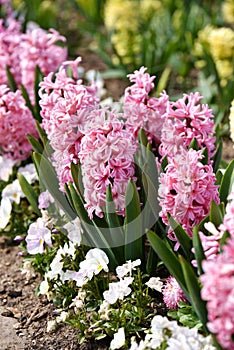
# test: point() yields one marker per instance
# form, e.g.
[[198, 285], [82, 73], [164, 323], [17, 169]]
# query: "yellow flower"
[[228, 11], [225, 70], [231, 121], [221, 42]]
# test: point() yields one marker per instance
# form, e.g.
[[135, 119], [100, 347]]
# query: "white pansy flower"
[[74, 231], [155, 283], [118, 290], [6, 167], [13, 191], [104, 310], [62, 317], [29, 172], [119, 339], [5, 212], [44, 288], [127, 268], [95, 261]]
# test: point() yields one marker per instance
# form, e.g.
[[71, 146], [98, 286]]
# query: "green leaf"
[[194, 144], [37, 147], [94, 234], [169, 258], [77, 178], [133, 224], [38, 79], [198, 249], [226, 182], [48, 177], [11, 80], [29, 193], [48, 150], [217, 213], [194, 290], [217, 157], [28, 101], [182, 236]]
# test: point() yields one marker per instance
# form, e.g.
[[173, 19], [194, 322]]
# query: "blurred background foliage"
[[187, 44]]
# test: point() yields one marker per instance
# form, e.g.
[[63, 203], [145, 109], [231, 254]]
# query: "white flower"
[[104, 310], [44, 288], [5, 212], [118, 290], [155, 283], [119, 339], [13, 191], [126, 268], [74, 231], [29, 172], [56, 267], [95, 261], [62, 317], [6, 167]]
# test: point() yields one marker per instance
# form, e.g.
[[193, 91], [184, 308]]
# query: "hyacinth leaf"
[[37, 147], [198, 249], [194, 144], [164, 164], [219, 176], [77, 178], [204, 160], [169, 259], [152, 262], [194, 289], [226, 182], [143, 141], [49, 179], [94, 234], [151, 208], [182, 236], [29, 193], [27, 101], [11, 80], [217, 213], [38, 79], [217, 157], [42, 134], [133, 224]]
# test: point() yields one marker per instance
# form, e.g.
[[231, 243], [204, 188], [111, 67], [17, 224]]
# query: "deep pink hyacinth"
[[218, 291], [106, 155], [66, 106], [185, 120], [141, 110], [16, 121], [186, 190], [172, 293]]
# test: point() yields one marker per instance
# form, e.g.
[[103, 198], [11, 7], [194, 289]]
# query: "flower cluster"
[[186, 190], [186, 120], [167, 333], [16, 121], [23, 52], [172, 293]]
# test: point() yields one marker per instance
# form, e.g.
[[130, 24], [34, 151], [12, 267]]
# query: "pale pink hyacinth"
[[16, 121], [141, 110], [107, 156], [172, 293], [228, 221], [66, 105], [186, 190], [218, 291], [185, 120]]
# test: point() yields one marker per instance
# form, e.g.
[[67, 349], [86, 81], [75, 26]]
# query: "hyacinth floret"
[[185, 120], [16, 121], [186, 190]]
